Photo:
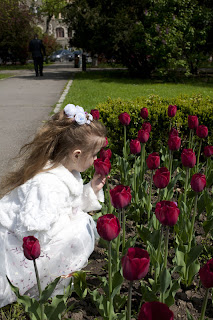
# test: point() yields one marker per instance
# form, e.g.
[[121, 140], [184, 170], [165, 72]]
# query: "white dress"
[[50, 207]]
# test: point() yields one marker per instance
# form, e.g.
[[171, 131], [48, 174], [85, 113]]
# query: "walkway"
[[25, 102]]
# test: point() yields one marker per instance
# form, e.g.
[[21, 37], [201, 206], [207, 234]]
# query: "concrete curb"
[[63, 96]]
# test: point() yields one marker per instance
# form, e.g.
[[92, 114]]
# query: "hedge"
[[157, 107]]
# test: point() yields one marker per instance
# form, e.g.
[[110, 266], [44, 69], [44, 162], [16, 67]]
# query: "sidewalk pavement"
[[25, 102]]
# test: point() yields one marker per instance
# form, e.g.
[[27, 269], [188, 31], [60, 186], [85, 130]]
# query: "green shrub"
[[157, 106]]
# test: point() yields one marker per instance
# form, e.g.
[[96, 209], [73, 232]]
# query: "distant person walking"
[[38, 51]]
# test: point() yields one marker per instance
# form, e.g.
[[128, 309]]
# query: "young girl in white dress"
[[46, 198]]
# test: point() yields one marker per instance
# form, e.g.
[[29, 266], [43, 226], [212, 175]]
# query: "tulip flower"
[[202, 132], [135, 146], [95, 113], [153, 161], [155, 311], [161, 177], [143, 135], [102, 166], [32, 251], [198, 182], [147, 126], [108, 227], [188, 158], [125, 121], [173, 132], [174, 142], [105, 153], [167, 212], [135, 265], [206, 278], [193, 124], [208, 151], [31, 247], [172, 109], [120, 196], [144, 113], [106, 142]]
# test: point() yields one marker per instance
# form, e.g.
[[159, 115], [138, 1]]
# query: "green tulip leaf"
[[101, 303], [170, 294], [46, 293], [165, 280], [193, 254], [193, 270], [54, 310], [189, 316], [208, 225], [147, 294], [80, 284], [116, 283]]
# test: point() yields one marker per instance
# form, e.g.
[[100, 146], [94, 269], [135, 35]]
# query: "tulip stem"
[[198, 155], [191, 233], [124, 229], [170, 163], [158, 253], [203, 311], [129, 303], [118, 239], [166, 246], [108, 191], [150, 194], [142, 161], [186, 184], [39, 289], [110, 279], [125, 155]]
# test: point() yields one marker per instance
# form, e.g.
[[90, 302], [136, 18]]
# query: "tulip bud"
[[155, 311], [174, 142], [172, 111], [95, 113], [105, 153], [143, 136], [206, 274], [108, 227], [124, 118], [167, 212], [202, 131], [31, 247], [198, 182], [153, 161], [161, 178], [102, 166], [188, 158], [135, 264], [135, 146], [120, 196], [173, 132], [208, 151], [147, 126], [193, 122], [144, 113]]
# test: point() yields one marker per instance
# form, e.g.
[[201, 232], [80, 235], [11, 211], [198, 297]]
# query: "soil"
[[190, 298]]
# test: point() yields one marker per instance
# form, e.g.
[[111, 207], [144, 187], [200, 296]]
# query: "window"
[[60, 32]]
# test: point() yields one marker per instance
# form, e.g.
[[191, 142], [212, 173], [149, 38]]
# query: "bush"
[[157, 106]]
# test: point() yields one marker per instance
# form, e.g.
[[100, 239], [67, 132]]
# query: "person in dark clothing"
[[38, 51]]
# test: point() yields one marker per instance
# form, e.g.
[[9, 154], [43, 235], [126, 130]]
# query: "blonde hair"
[[53, 142]]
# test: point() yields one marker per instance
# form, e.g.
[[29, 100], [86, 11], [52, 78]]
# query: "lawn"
[[92, 87], [5, 75]]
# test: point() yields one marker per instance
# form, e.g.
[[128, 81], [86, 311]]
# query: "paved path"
[[26, 101]]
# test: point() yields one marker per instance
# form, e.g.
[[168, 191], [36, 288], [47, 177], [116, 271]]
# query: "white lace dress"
[[51, 206]]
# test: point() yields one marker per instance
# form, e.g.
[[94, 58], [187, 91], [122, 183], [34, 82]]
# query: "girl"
[[46, 198]]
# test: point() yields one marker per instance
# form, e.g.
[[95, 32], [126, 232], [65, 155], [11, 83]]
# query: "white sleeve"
[[90, 200]]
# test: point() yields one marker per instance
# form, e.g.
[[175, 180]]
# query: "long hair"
[[53, 142]]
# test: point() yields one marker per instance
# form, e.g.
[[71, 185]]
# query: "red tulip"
[[120, 196], [188, 158], [208, 151], [193, 122], [31, 247], [135, 264], [173, 132], [147, 126], [167, 212], [106, 142], [155, 311], [153, 161], [172, 110], [161, 178], [135, 146], [202, 131], [143, 136], [102, 166], [108, 227], [174, 142], [198, 182], [124, 118], [95, 113], [144, 113], [206, 274], [105, 153]]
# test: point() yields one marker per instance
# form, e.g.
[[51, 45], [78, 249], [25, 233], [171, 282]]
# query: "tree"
[[145, 35], [16, 30]]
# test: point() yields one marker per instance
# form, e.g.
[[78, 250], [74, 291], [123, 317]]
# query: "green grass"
[[5, 75], [92, 87], [27, 66]]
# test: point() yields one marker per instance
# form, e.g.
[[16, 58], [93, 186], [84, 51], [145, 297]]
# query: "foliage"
[[16, 30], [157, 106], [146, 36], [50, 43]]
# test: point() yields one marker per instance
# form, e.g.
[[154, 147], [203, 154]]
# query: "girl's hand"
[[98, 182]]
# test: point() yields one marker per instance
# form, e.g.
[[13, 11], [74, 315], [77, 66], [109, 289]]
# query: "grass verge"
[[5, 75]]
